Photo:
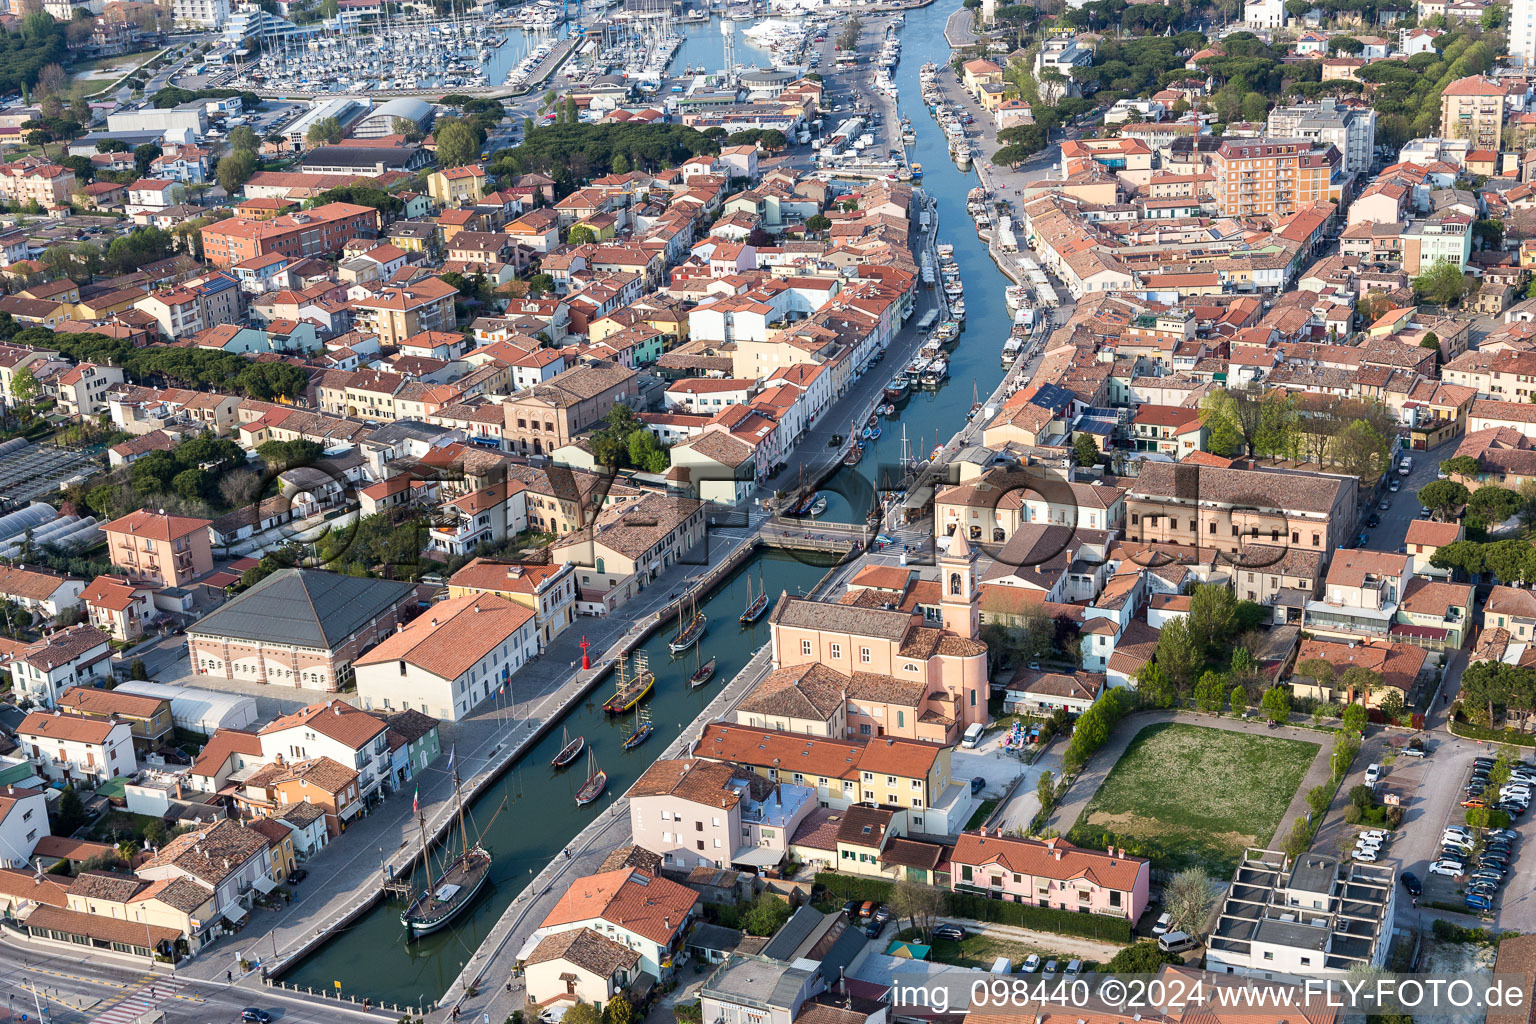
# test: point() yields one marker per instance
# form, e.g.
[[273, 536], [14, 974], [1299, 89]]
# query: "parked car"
[[1164, 922], [1373, 833], [978, 784], [1384, 504], [1372, 774], [250, 1013], [1373, 520], [850, 908], [1176, 942], [1052, 968], [1445, 867], [1074, 968], [1412, 884], [1031, 963], [874, 929], [1395, 486], [297, 875], [867, 910], [883, 915], [1415, 752], [952, 932], [1477, 901], [1474, 802], [1365, 855]]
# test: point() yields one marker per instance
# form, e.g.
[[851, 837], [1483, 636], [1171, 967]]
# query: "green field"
[[1189, 795]]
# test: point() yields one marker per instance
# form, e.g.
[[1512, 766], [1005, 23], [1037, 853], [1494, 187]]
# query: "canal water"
[[371, 957]]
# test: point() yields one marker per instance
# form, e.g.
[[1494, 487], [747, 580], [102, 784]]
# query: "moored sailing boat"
[[702, 673], [756, 606], [597, 781], [688, 633], [642, 731], [570, 749], [459, 881]]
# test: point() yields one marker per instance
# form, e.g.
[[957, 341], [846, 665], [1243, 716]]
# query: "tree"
[[1443, 496], [1391, 705], [1045, 789], [155, 833], [143, 156], [1299, 839], [1239, 700], [618, 1010], [1212, 615], [406, 127], [818, 222], [1444, 283], [1492, 503], [1188, 897], [244, 137], [1087, 450], [1277, 704], [766, 915], [541, 284], [919, 904], [1178, 652], [24, 385], [1358, 683], [236, 169], [457, 144], [1361, 450], [1153, 683], [324, 132], [1318, 669], [70, 812], [1355, 718], [1143, 957], [1211, 693], [137, 669], [582, 1013], [1461, 465]]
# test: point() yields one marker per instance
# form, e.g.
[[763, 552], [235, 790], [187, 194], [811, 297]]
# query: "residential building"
[[148, 718], [1273, 177], [628, 547], [1472, 108], [1349, 129], [38, 591], [457, 186], [644, 912], [549, 591], [712, 814], [1301, 919], [1512, 609], [76, 748], [23, 821], [167, 549], [322, 782], [225, 857], [336, 730], [398, 312], [549, 415], [1053, 873], [1396, 666], [119, 606], [579, 965], [44, 669], [321, 231], [450, 659], [298, 627]]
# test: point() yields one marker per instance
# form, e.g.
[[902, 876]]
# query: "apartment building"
[[169, 550], [226, 858], [628, 546], [646, 913], [549, 591], [31, 180], [77, 748], [336, 730], [1472, 108], [398, 312], [1230, 510], [702, 813], [1349, 129], [43, 669], [1298, 920], [321, 231], [1053, 873], [149, 718], [321, 782], [548, 415], [23, 821], [1273, 177]]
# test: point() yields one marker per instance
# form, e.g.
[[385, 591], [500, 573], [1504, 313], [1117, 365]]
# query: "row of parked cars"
[[1514, 796], [1486, 874], [1368, 845]]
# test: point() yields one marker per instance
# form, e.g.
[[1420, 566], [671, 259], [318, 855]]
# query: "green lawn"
[[1189, 795], [979, 818]]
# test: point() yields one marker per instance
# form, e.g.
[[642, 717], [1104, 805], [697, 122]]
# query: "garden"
[[1186, 795]]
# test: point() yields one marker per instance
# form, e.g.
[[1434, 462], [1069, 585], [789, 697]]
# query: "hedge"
[[980, 908], [1467, 730]]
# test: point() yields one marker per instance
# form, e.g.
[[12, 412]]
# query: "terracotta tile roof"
[[800, 613], [224, 742], [212, 853], [1351, 567], [144, 523], [74, 728], [502, 577], [586, 949], [1428, 597], [1514, 601], [182, 894], [1056, 859], [808, 691], [692, 779], [637, 901], [632, 856], [103, 885], [334, 718], [64, 647], [1397, 664], [328, 774], [89, 700], [30, 584], [1431, 533], [109, 929], [26, 885], [450, 638]]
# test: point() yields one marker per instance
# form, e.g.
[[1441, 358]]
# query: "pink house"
[[710, 814], [1053, 873]]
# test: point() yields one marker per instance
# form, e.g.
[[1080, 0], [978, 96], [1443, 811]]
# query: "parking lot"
[[37, 469]]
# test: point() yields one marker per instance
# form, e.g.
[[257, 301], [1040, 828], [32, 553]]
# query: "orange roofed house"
[[318, 232], [170, 550], [1052, 874], [645, 912]]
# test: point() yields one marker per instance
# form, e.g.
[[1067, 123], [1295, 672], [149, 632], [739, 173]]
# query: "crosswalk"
[[145, 995]]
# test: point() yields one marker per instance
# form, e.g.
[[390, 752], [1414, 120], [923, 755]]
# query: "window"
[[836, 651], [805, 647], [864, 655]]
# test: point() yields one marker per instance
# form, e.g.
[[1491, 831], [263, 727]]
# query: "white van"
[[1405, 466], [973, 735], [1002, 965], [1176, 942]]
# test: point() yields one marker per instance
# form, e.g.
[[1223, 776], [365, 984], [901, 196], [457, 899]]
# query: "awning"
[[235, 913], [265, 884], [757, 857]]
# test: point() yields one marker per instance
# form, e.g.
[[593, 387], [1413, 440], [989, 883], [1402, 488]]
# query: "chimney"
[[336, 711], [1057, 852]]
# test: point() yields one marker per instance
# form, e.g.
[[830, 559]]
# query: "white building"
[[453, 656], [1316, 916], [1522, 31], [79, 655], [23, 821], [76, 748], [1264, 14], [634, 908], [206, 15], [1351, 130], [337, 730]]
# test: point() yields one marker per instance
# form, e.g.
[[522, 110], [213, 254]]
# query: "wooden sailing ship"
[[570, 749], [756, 606], [456, 886], [597, 781], [690, 632], [703, 672], [631, 691], [642, 730]]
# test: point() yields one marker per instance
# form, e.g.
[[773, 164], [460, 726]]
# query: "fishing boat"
[[570, 749], [459, 882], [818, 506], [597, 781], [642, 731], [756, 606], [936, 372], [897, 389], [957, 309], [702, 672], [804, 499], [688, 633], [630, 691], [871, 433]]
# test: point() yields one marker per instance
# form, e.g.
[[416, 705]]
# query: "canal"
[[539, 818]]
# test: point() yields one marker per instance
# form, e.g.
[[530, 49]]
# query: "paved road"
[[1405, 503]]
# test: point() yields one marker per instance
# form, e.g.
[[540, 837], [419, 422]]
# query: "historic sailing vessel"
[[597, 781], [458, 883], [756, 606], [570, 749], [690, 632], [630, 691]]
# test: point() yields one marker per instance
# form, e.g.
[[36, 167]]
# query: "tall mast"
[[459, 798]]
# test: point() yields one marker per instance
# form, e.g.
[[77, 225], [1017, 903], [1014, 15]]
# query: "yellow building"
[[456, 186], [548, 590], [1256, 177]]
